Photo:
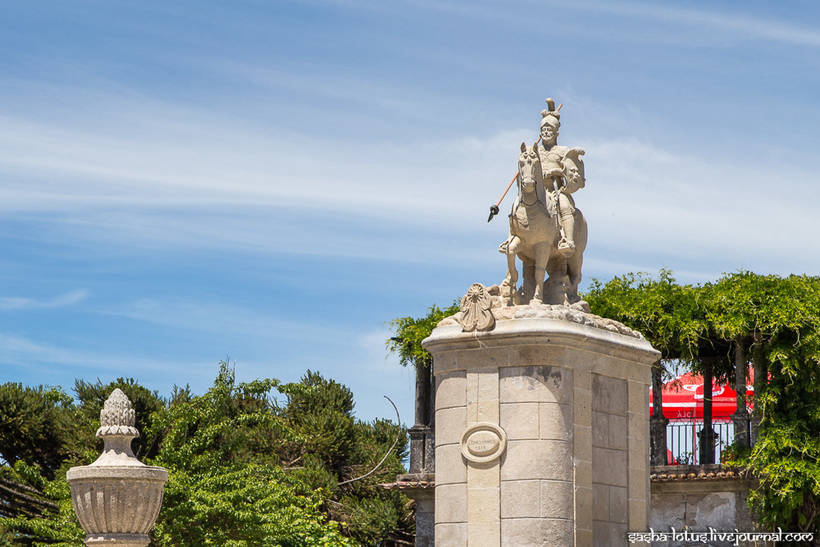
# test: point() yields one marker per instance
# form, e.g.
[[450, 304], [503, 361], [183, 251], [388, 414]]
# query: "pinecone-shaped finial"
[[117, 431], [117, 416]]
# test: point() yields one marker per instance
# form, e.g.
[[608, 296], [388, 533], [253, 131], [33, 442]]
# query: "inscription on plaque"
[[483, 442]]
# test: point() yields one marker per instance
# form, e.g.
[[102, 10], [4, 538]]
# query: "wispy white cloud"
[[373, 343], [639, 195], [681, 207], [383, 375], [313, 81], [182, 178], [60, 365], [8, 303], [742, 25], [222, 319], [22, 351]]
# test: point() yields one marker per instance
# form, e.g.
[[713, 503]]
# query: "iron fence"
[[683, 441]]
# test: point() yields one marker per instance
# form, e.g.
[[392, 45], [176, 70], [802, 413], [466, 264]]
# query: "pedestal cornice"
[[537, 331]]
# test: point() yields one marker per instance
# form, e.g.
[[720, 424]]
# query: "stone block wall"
[[565, 407], [610, 512], [698, 498], [528, 495], [451, 484], [536, 471]]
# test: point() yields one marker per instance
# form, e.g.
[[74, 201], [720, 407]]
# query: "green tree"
[[660, 309], [92, 396], [375, 515], [48, 516], [256, 463], [225, 486], [786, 457], [777, 321], [408, 333], [36, 426], [320, 414], [668, 315], [43, 426], [336, 452]]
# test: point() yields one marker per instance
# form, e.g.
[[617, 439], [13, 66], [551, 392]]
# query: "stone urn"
[[117, 498]]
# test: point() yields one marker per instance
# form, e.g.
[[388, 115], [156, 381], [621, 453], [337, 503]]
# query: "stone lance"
[[494, 208]]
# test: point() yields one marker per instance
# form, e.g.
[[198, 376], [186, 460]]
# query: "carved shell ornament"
[[475, 309]]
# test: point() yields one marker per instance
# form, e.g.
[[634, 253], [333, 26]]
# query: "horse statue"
[[532, 232], [535, 232]]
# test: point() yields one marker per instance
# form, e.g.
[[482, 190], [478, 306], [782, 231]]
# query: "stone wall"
[[541, 434], [698, 498], [536, 478], [609, 457]]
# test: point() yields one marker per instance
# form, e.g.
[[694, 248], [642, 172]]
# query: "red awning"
[[683, 397]]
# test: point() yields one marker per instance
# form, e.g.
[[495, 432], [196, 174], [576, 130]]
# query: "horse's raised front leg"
[[542, 254]]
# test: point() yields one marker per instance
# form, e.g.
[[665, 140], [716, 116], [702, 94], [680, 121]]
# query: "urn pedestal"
[[542, 430], [117, 498]]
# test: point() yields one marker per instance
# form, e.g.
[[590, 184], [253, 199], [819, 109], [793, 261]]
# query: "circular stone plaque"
[[483, 442]]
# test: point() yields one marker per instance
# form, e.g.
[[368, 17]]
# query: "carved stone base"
[[576, 313], [541, 430], [122, 540]]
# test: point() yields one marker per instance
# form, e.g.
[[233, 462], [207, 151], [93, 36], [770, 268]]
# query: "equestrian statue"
[[547, 232]]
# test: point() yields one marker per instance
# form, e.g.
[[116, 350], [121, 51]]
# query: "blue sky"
[[273, 182]]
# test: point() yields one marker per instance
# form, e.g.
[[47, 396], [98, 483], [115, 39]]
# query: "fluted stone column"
[[117, 498], [542, 430]]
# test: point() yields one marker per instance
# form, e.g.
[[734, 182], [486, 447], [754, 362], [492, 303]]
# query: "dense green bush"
[[775, 321], [255, 463]]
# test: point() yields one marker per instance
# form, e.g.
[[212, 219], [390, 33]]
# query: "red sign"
[[683, 397]]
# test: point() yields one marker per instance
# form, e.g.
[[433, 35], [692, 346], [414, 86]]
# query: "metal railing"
[[683, 441]]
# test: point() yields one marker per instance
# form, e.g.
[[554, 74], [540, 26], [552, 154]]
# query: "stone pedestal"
[[117, 498], [741, 421], [542, 430]]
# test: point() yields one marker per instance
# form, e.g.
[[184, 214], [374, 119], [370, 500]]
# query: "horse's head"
[[574, 169], [529, 168]]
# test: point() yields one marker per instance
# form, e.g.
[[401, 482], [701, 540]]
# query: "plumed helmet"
[[551, 115]]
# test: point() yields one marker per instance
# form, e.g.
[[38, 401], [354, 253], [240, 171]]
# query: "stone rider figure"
[[559, 202]]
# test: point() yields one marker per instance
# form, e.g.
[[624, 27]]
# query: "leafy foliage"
[[146, 402], [410, 331], [664, 312], [225, 486], [36, 425], [255, 463], [779, 318], [29, 528]]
